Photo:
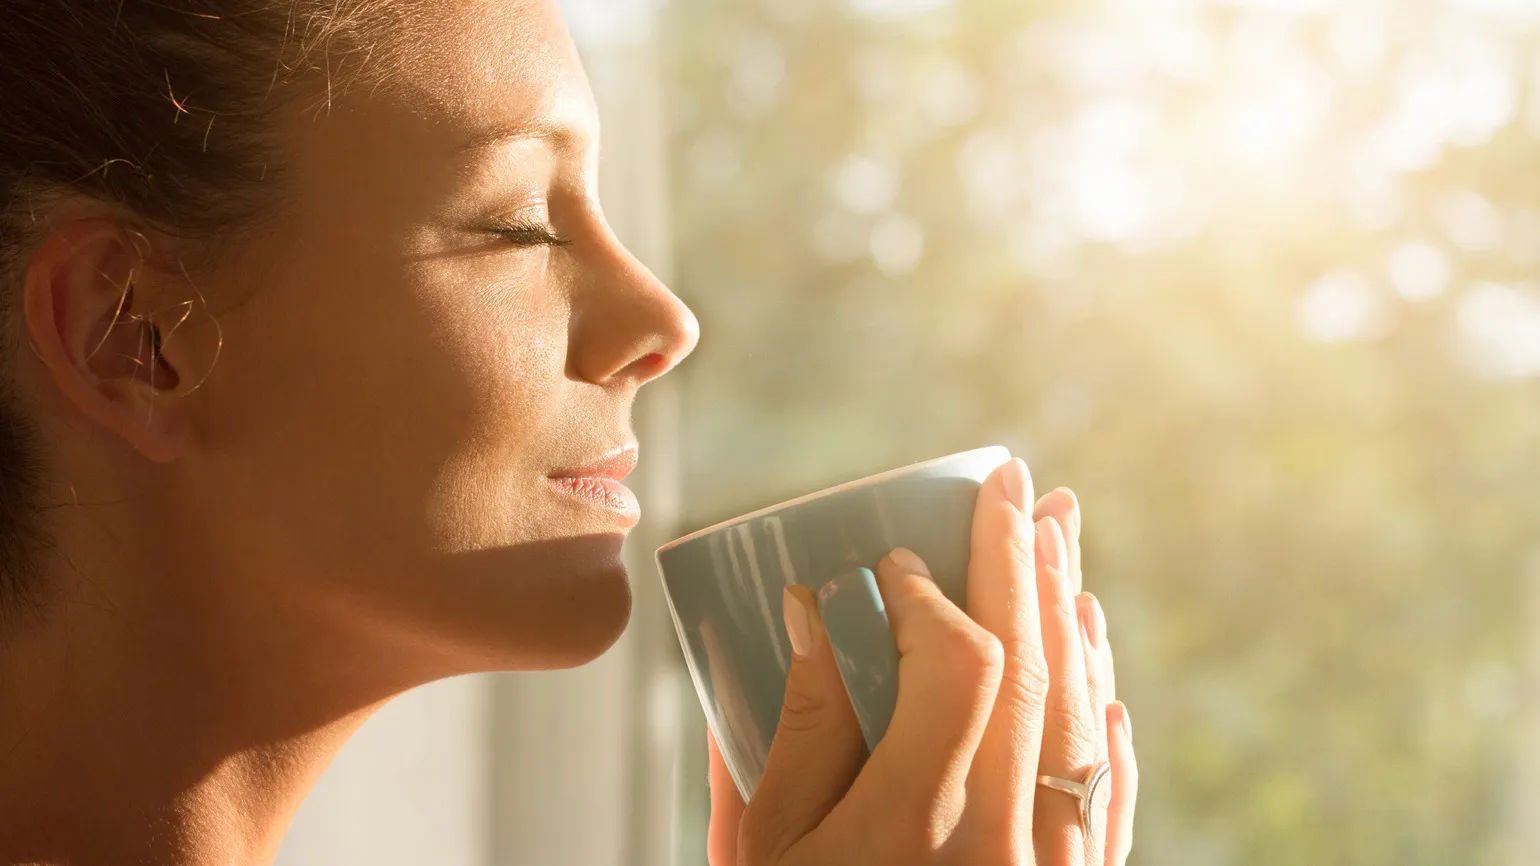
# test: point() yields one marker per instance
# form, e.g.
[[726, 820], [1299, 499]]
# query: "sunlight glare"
[[1500, 330]]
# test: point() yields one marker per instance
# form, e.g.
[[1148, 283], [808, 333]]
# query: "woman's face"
[[438, 324]]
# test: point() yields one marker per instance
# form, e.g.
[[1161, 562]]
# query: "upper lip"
[[617, 464]]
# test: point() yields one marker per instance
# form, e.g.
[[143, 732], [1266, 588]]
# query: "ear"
[[96, 314]]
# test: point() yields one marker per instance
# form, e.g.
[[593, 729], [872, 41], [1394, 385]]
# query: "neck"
[[159, 721]]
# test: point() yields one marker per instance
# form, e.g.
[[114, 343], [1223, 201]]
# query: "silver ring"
[[1090, 791]]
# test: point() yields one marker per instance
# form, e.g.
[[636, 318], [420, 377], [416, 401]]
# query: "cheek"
[[380, 416], [506, 351]]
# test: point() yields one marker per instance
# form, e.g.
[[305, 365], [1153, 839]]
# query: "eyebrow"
[[561, 137]]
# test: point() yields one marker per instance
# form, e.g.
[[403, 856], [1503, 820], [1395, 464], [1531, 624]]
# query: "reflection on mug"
[[743, 741]]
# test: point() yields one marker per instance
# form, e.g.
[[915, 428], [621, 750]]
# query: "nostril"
[[647, 367]]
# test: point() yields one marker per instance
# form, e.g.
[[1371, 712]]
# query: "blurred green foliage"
[[1255, 279]]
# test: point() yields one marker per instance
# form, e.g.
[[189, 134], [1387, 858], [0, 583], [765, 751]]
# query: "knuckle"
[[1025, 680], [1079, 737], [1021, 544], [989, 653], [801, 711], [975, 654], [1027, 663]]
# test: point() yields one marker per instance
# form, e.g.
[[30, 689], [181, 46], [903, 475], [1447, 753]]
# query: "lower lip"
[[605, 493]]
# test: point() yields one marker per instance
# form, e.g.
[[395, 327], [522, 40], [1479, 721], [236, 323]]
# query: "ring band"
[[1088, 791]]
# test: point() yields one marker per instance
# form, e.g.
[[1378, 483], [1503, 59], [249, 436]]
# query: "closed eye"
[[529, 235]]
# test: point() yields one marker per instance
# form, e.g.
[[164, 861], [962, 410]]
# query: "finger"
[[948, 674], [817, 749], [1064, 507], [1099, 685], [1069, 750], [1002, 597], [726, 810], [1125, 785], [1104, 650]]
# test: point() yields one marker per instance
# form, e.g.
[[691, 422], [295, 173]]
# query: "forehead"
[[475, 68]]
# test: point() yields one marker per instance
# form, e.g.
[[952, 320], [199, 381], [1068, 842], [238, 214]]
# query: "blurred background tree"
[[1257, 279]]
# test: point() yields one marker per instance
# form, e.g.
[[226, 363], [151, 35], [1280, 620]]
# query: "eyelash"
[[529, 235]]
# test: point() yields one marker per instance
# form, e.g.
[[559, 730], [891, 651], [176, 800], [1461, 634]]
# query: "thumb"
[[817, 749]]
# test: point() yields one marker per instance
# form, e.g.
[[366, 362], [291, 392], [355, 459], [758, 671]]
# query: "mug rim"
[[885, 475]]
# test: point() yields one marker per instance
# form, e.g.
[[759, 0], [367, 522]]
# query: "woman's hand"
[[1019, 685]]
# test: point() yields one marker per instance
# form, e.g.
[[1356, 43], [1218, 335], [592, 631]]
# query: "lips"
[[616, 466], [598, 484]]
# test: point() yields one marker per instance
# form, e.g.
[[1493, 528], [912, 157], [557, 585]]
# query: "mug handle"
[[864, 649]]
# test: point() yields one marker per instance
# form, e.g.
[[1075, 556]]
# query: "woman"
[[318, 377]]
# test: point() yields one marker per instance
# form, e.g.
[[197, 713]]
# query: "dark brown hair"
[[159, 109]]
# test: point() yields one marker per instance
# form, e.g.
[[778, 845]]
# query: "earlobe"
[[91, 324]]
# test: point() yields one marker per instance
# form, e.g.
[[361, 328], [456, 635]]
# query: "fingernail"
[[1050, 542], [1014, 476], [799, 628], [1121, 710], [1087, 608], [908, 561]]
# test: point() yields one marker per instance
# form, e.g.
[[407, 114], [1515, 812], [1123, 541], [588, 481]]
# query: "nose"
[[626, 328]]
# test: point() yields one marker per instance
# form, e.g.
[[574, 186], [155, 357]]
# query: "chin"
[[590, 619], [533, 607]]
